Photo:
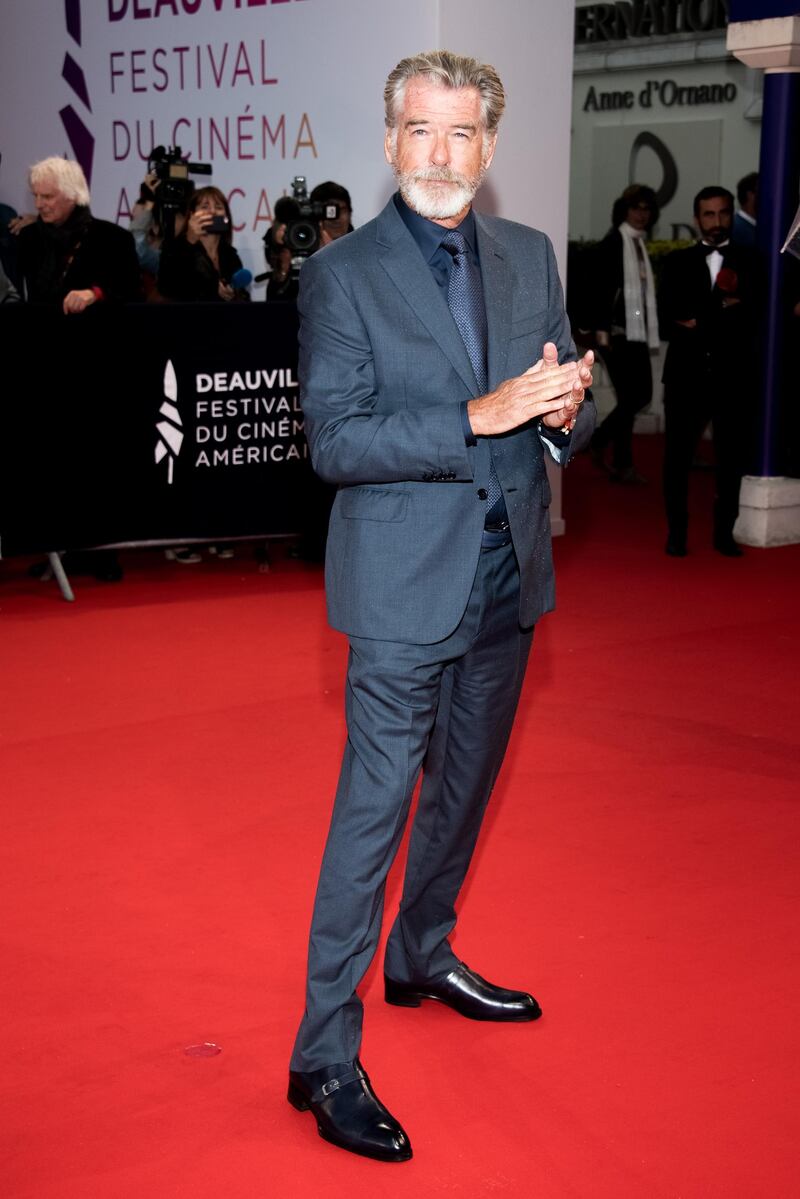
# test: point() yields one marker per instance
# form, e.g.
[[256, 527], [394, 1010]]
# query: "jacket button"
[[483, 494]]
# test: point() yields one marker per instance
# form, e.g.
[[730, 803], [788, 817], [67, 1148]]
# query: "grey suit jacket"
[[383, 369]]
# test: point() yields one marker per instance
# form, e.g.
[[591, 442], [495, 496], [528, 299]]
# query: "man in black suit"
[[707, 306]]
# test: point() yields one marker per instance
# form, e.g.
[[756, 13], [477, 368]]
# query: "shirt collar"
[[428, 235]]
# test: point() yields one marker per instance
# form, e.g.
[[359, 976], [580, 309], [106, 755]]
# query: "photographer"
[[159, 213], [304, 224], [315, 232], [332, 228], [148, 227], [200, 264]]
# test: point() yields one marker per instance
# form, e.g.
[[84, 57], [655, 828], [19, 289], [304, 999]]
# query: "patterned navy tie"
[[465, 299]]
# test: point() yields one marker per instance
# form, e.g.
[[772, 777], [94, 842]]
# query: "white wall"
[[530, 43]]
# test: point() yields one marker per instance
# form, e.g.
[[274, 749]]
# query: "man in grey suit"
[[437, 372]]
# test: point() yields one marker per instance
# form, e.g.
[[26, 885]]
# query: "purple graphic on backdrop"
[[80, 138], [76, 79], [73, 9]]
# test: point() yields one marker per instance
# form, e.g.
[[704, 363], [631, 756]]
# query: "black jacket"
[[723, 342], [187, 273], [604, 284], [83, 253]]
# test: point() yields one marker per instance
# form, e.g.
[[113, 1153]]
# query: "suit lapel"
[[703, 278], [401, 259], [496, 275]]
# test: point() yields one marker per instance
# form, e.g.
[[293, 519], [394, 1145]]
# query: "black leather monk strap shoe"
[[467, 993], [348, 1112]]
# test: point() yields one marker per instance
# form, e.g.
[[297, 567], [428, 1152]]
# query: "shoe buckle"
[[329, 1087]]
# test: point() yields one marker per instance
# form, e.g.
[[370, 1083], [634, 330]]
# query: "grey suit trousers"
[[447, 709]]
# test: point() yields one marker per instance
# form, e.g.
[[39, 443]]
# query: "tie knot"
[[454, 242]]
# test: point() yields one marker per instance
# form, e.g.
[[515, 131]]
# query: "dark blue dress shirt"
[[428, 236]]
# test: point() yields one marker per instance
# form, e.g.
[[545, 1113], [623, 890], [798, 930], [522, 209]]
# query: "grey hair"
[[67, 176], [446, 69]]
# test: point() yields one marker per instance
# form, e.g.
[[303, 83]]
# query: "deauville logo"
[[80, 138], [170, 432]]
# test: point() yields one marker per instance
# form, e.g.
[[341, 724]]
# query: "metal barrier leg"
[[61, 575]]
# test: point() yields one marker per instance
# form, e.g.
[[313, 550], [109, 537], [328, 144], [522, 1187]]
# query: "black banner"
[[150, 423]]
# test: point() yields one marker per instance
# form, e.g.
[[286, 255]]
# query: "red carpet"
[[170, 748]]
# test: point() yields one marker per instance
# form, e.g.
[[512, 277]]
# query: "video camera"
[[302, 218], [172, 170]]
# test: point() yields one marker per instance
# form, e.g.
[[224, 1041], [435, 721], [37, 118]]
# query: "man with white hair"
[[437, 372], [68, 256]]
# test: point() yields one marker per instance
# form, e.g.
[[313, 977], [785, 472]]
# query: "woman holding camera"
[[201, 263]]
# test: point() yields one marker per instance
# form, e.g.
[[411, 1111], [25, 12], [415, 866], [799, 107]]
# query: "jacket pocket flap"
[[533, 325], [373, 503]]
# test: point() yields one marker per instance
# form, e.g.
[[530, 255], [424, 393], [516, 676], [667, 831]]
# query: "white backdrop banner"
[[263, 90]]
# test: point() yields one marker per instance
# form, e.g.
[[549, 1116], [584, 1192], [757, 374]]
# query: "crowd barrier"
[[149, 424]]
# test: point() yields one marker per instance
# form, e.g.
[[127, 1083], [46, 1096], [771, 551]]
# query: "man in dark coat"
[[621, 312], [68, 256], [707, 306]]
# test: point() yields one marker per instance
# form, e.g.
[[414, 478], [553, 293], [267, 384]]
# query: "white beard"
[[437, 204]]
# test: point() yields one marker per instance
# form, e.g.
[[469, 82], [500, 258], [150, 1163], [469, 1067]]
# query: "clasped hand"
[[548, 391], [78, 301]]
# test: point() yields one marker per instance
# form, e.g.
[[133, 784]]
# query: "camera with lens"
[[302, 218], [173, 170]]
